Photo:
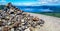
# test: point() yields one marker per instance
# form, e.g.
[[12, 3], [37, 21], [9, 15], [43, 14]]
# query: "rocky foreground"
[[13, 19]]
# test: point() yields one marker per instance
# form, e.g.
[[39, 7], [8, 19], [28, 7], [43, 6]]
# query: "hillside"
[[1, 7]]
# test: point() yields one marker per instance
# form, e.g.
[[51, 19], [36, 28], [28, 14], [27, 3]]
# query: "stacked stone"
[[18, 20]]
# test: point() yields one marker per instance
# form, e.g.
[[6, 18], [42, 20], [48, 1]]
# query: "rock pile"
[[11, 18]]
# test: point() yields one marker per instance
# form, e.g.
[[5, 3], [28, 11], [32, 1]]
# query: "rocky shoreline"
[[11, 18]]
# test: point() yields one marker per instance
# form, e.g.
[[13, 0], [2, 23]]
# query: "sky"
[[31, 2]]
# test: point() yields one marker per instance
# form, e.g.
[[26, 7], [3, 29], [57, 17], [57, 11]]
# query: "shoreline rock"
[[14, 18]]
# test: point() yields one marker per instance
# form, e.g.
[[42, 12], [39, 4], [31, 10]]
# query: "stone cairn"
[[13, 19]]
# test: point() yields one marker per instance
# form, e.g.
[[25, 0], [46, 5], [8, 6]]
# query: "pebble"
[[27, 29], [12, 14], [0, 28], [12, 29], [22, 20]]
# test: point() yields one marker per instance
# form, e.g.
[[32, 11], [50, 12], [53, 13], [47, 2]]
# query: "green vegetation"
[[51, 14], [1, 7]]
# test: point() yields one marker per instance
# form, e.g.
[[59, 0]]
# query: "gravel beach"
[[51, 23]]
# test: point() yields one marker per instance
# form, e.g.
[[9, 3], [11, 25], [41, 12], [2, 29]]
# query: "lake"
[[40, 8]]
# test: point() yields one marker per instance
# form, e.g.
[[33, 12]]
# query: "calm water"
[[39, 8]]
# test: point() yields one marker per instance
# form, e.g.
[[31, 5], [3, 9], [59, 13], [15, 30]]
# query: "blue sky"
[[31, 2]]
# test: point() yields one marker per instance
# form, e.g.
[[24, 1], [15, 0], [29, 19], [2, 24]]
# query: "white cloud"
[[49, 1], [2, 1], [38, 3], [27, 4], [53, 1]]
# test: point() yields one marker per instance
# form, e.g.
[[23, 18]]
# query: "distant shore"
[[45, 13]]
